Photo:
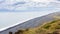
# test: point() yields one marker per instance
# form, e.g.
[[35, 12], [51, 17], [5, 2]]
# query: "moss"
[[54, 21], [58, 27], [47, 26]]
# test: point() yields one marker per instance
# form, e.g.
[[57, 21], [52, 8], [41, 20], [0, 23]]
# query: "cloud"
[[41, 0], [28, 5]]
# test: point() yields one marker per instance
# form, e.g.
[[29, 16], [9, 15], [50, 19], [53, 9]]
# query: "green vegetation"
[[52, 27]]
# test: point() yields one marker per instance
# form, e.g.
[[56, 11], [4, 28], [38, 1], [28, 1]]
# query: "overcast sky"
[[29, 5]]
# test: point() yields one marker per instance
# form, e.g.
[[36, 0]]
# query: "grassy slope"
[[48, 28]]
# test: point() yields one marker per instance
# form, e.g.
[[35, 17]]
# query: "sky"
[[29, 5]]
